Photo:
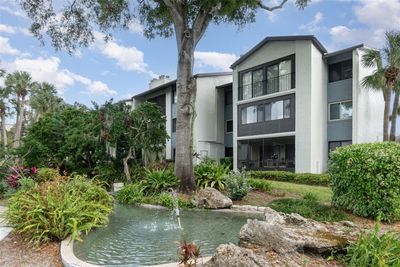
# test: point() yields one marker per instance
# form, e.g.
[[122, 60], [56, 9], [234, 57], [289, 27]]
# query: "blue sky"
[[124, 66]]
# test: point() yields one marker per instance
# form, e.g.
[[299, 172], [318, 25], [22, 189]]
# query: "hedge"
[[300, 178], [366, 179]]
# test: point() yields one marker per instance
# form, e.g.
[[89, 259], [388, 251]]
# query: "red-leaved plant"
[[188, 253], [16, 173]]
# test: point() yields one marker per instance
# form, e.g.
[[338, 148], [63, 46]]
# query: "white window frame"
[[339, 102]]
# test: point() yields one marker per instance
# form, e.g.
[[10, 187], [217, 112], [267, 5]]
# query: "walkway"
[[4, 231]]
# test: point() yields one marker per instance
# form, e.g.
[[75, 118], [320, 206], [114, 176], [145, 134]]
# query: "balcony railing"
[[272, 85]]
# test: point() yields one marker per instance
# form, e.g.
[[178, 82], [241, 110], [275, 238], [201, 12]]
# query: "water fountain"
[[176, 206]]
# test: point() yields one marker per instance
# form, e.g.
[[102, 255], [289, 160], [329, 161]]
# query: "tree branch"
[[176, 12], [201, 22], [271, 8]]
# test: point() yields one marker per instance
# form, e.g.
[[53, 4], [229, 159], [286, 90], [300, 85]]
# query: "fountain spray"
[[176, 206]]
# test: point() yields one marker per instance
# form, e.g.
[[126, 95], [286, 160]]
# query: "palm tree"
[[4, 94], [384, 77], [395, 110], [44, 100], [19, 83]]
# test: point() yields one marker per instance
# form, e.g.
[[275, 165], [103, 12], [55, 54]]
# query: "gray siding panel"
[[267, 127], [339, 130], [340, 90]]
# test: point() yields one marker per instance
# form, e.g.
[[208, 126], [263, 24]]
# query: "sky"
[[124, 66]]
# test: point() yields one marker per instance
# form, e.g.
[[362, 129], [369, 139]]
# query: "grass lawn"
[[292, 190], [309, 201]]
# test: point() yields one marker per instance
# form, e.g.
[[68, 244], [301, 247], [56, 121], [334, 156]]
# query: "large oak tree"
[[71, 24]]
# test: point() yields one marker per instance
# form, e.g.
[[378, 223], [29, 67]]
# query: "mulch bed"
[[14, 252]]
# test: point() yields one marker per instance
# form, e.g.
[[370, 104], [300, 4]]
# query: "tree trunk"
[[186, 90], [20, 119], [3, 130], [126, 166], [388, 94], [394, 117]]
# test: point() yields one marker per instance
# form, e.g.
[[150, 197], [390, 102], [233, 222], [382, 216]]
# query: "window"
[[335, 144], [341, 71], [246, 85], [174, 97], [260, 113], [229, 126], [228, 98], [273, 77], [174, 125], [228, 151], [341, 110], [277, 110], [249, 115]]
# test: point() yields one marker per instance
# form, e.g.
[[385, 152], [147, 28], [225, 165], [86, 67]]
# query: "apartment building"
[[293, 102], [209, 134]]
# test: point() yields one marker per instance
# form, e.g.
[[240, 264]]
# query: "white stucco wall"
[[207, 130], [368, 106], [311, 108]]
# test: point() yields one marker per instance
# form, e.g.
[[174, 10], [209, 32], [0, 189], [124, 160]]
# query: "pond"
[[139, 236]]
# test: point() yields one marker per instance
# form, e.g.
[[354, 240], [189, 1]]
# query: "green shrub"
[[3, 189], [137, 172], [210, 174], [166, 199], [237, 185], [227, 161], [366, 179], [53, 210], [284, 176], [26, 183], [260, 184], [374, 249], [308, 207], [46, 174], [158, 180], [130, 194], [109, 174]]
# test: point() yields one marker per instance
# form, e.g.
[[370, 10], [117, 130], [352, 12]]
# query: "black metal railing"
[[269, 86]]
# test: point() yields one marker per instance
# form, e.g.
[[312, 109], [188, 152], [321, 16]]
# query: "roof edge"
[[344, 50]]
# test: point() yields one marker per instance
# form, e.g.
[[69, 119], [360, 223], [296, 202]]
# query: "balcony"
[[267, 154], [269, 86]]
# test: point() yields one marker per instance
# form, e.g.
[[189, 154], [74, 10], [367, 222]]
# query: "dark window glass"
[[174, 125], [229, 126], [286, 108], [258, 78], [335, 144], [341, 110], [340, 71], [228, 98], [267, 112], [228, 152]]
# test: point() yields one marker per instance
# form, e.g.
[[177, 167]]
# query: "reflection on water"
[[139, 236]]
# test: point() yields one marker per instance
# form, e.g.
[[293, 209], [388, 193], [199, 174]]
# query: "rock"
[[234, 256], [348, 224], [210, 198], [288, 233]]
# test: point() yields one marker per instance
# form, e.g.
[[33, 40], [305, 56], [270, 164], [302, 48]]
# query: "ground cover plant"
[[56, 209], [374, 248], [366, 180], [237, 185], [308, 207]]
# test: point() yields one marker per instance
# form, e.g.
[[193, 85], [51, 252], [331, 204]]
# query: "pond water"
[[139, 236]]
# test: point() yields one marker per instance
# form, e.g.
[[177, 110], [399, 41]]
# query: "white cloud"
[[314, 25], [6, 48], [48, 70], [218, 61], [376, 16], [135, 27], [15, 11], [128, 58], [4, 28]]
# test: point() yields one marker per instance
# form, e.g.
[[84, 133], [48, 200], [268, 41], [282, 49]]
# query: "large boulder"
[[234, 256], [285, 233], [210, 198], [285, 240]]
